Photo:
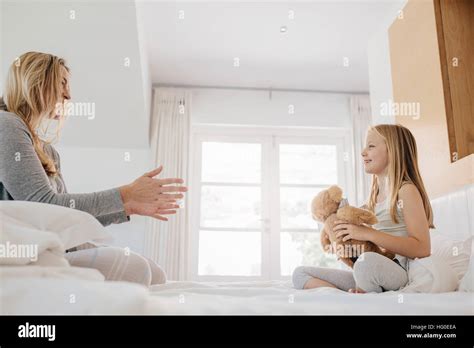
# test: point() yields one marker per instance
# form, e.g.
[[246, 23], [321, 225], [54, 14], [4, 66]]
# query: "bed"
[[50, 286]]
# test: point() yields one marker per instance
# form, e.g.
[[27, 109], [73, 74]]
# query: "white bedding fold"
[[22, 244], [34, 290], [35, 277]]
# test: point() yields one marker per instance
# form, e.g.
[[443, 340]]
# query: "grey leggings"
[[372, 273]]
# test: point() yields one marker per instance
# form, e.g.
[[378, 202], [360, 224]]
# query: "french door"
[[250, 199]]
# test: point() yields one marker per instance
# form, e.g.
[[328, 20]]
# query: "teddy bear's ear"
[[335, 193]]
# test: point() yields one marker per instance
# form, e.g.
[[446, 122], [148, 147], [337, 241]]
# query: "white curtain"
[[361, 120], [167, 242]]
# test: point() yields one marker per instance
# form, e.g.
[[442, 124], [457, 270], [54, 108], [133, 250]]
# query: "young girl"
[[399, 200]]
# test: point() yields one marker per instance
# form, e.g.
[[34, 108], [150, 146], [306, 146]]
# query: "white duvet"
[[45, 283], [54, 290]]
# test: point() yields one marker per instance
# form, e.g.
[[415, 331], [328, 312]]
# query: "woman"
[[37, 83]]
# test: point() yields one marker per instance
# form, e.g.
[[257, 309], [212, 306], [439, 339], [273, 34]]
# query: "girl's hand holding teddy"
[[351, 231]]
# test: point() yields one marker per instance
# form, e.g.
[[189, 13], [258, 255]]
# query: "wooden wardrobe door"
[[455, 28]]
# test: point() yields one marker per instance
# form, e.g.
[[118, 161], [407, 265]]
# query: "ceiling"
[[202, 47]]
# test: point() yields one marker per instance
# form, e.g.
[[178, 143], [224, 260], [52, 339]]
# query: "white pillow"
[[430, 275], [467, 282], [455, 253], [73, 227]]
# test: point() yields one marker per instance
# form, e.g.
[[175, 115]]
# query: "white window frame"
[[268, 137]]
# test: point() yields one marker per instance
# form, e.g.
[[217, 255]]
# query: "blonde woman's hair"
[[32, 91], [402, 168]]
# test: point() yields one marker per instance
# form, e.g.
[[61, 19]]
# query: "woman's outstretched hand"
[[152, 197]]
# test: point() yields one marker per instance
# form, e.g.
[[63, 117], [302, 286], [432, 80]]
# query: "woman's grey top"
[[23, 178]]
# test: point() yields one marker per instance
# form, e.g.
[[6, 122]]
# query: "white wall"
[[144, 62], [247, 107], [380, 77], [380, 73], [95, 169], [95, 45]]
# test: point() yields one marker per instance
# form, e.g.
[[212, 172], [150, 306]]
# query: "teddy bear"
[[329, 206]]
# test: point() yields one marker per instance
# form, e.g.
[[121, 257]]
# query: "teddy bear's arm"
[[356, 216]]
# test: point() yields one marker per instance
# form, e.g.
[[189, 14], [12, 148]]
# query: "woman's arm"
[[416, 244], [23, 176], [114, 218]]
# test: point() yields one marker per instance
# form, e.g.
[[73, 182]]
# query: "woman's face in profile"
[[66, 94]]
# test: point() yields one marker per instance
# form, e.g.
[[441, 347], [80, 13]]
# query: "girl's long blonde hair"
[[32, 91], [402, 168]]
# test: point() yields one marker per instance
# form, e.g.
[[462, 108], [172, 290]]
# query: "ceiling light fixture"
[[283, 29]]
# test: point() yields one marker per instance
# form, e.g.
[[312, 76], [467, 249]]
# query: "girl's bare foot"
[[356, 291]]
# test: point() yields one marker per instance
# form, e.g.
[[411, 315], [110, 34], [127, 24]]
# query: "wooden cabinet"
[[422, 73], [455, 30]]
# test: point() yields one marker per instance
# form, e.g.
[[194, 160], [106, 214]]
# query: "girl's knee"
[[299, 277], [297, 272], [373, 273], [364, 271], [367, 262], [368, 257]]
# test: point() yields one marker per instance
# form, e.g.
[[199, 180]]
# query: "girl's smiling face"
[[375, 154]]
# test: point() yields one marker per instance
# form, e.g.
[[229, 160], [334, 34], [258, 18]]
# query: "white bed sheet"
[[279, 298]]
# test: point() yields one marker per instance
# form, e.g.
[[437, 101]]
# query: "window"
[[231, 208], [251, 198], [305, 169]]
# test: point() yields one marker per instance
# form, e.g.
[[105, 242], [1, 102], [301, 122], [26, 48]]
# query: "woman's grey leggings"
[[371, 273]]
